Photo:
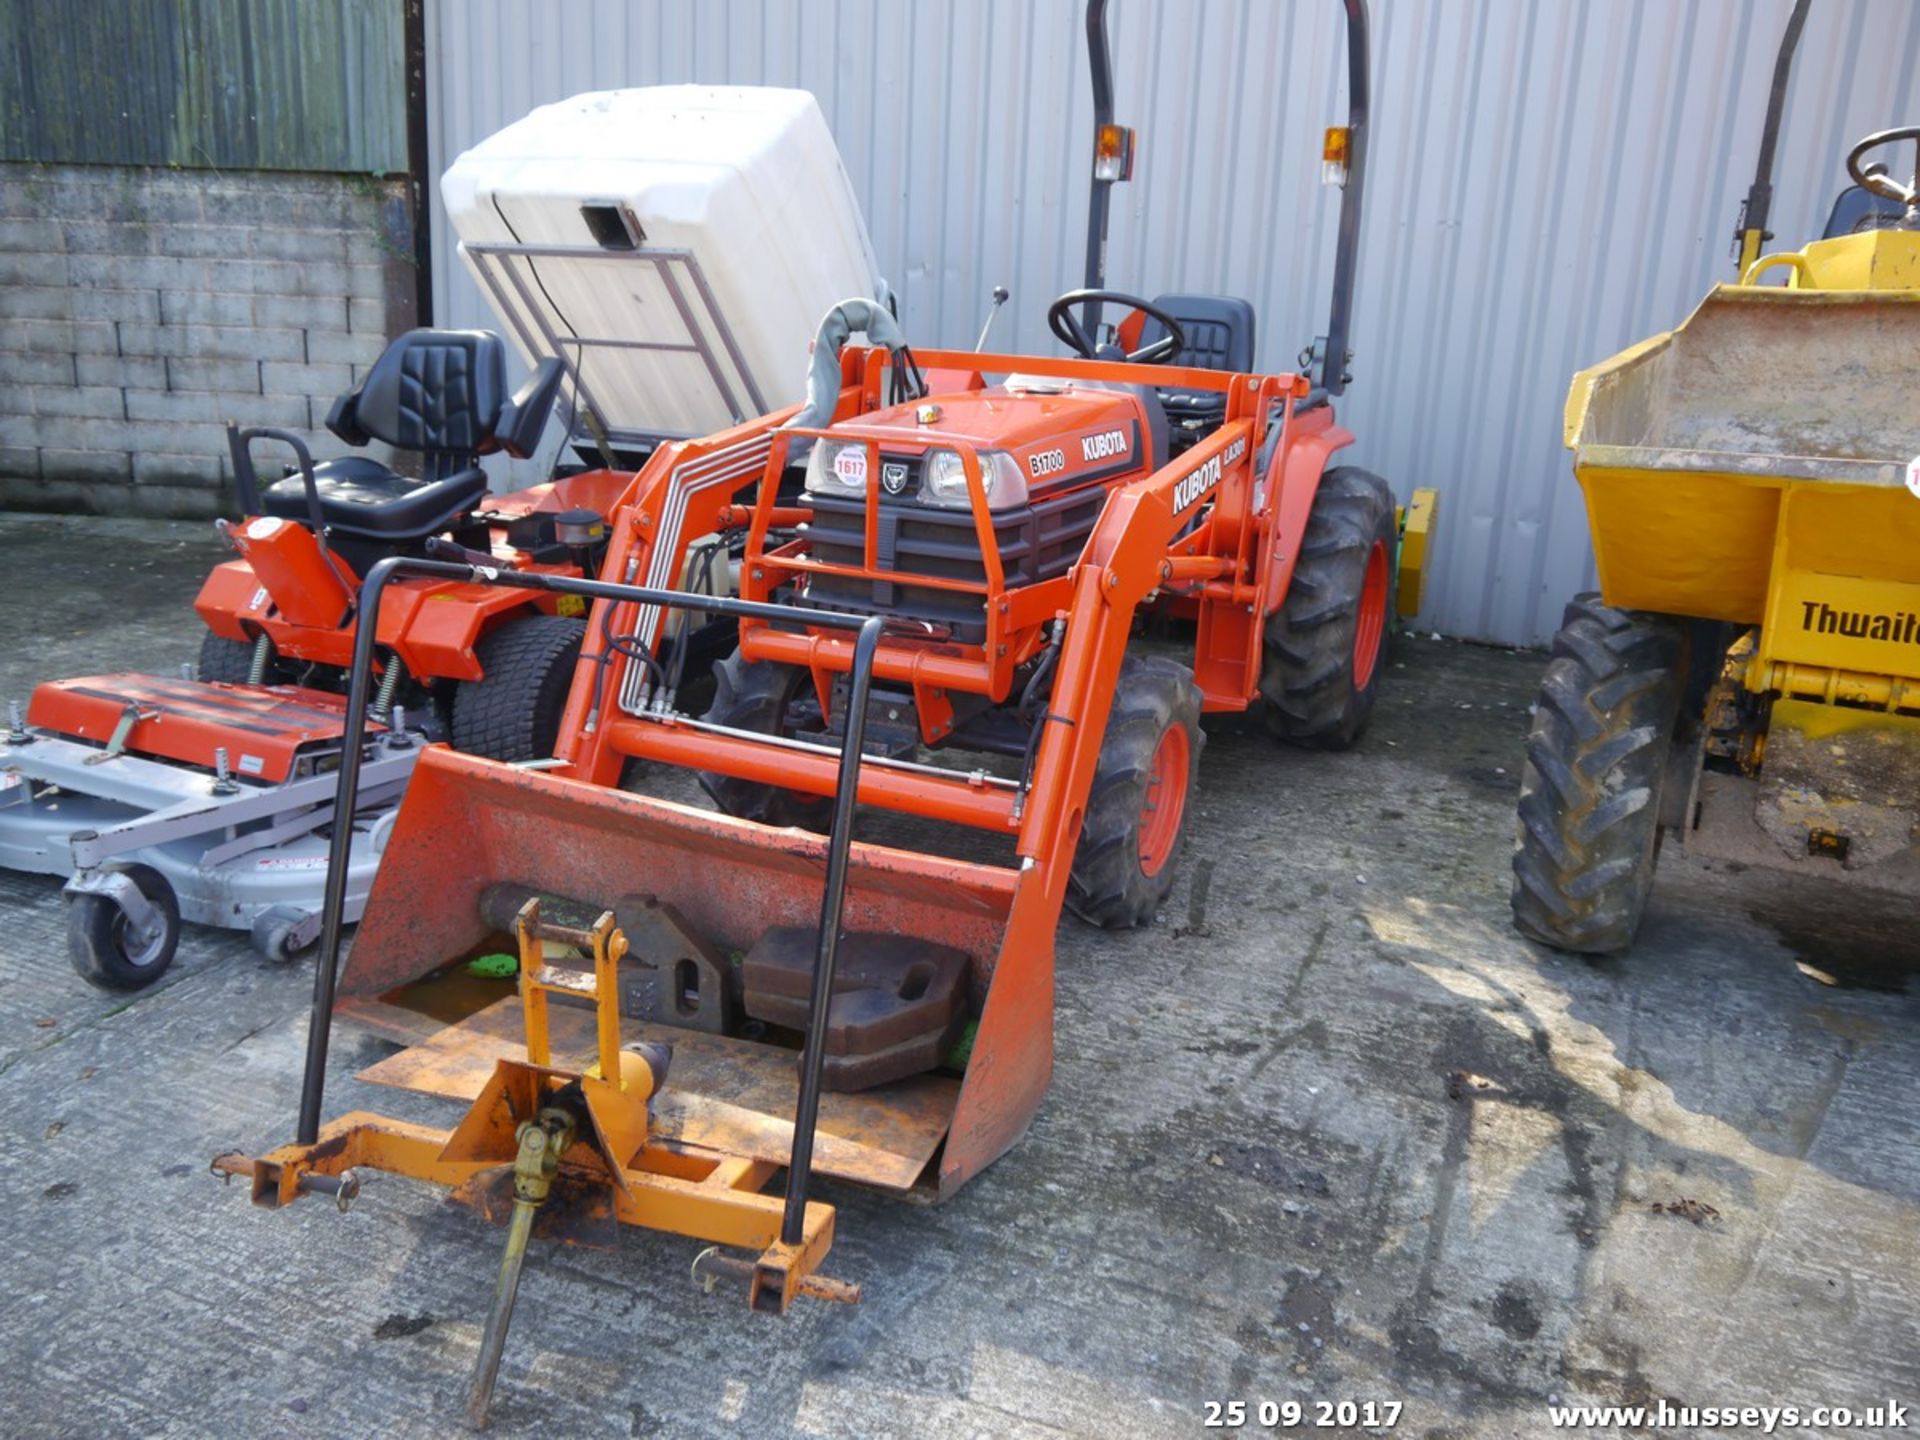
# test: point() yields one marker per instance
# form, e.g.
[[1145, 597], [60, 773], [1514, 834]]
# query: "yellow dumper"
[[1748, 678]]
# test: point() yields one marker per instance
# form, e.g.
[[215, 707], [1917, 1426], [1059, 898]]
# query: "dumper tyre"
[[757, 697], [512, 713], [1133, 829], [1325, 644], [1587, 835], [101, 943]]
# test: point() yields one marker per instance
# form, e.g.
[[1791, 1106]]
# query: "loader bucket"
[[1772, 418], [468, 825]]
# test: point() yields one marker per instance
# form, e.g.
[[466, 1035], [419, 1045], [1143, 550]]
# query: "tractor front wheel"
[[1588, 830], [1131, 834], [513, 711], [757, 697], [1325, 642]]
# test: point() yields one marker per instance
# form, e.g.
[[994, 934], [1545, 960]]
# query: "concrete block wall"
[[141, 309]]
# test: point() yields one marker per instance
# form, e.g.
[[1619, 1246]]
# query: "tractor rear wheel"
[[512, 712], [757, 697], [1588, 830], [1131, 834], [1325, 642]]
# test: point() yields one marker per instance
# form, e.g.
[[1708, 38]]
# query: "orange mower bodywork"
[[283, 587]]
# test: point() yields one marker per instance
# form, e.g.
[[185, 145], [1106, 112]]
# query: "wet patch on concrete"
[[398, 1327]]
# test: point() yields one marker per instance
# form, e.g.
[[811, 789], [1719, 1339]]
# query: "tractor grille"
[[1036, 543]]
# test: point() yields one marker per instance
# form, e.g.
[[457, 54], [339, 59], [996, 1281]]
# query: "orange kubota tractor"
[[954, 553]]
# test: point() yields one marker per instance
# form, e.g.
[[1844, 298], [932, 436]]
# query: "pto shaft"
[[542, 1142]]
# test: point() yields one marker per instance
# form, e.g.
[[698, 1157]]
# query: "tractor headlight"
[[944, 480], [837, 467]]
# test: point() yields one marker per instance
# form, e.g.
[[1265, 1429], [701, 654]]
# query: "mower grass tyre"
[[1132, 832], [1588, 830], [756, 697], [230, 662], [512, 712], [102, 943], [1325, 642]]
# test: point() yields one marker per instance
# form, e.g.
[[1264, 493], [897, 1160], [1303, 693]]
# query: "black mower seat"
[[1219, 336], [360, 496], [441, 393]]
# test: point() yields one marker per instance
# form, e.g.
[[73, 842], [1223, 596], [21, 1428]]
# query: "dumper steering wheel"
[[1068, 330], [1874, 178]]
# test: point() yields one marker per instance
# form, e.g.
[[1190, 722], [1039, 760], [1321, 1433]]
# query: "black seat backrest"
[[439, 392], [1856, 210], [1218, 330]]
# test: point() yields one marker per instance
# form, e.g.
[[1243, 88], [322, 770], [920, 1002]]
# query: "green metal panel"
[[215, 84]]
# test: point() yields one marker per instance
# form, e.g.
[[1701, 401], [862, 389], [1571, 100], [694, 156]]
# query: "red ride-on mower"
[[283, 612], [209, 797]]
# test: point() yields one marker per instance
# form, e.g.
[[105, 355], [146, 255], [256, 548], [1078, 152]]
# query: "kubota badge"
[[1913, 477]]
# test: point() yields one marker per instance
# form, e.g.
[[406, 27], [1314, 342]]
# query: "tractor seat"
[[360, 496], [440, 393], [1219, 336], [1856, 210]]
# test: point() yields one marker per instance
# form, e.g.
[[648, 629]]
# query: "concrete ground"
[[1357, 1143]]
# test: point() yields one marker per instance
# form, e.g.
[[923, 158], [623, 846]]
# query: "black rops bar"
[[1346, 251], [839, 837], [1346, 255], [1100, 198]]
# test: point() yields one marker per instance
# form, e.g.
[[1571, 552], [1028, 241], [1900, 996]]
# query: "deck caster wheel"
[[281, 932], [123, 924]]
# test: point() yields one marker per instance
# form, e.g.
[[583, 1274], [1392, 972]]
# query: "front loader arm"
[[1131, 554], [680, 496]]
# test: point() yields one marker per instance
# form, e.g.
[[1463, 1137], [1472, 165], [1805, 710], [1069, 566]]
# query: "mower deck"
[[128, 768]]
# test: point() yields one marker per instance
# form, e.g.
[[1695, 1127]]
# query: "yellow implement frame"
[[538, 1134]]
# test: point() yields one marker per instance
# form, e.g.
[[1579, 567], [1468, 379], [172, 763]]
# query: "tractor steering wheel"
[[1068, 330], [1874, 178]]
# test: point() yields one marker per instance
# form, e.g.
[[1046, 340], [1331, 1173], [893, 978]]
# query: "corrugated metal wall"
[[1551, 179], [213, 84]]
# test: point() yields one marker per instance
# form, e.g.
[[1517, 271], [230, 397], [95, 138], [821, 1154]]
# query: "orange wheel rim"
[[1165, 800], [1370, 626]]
